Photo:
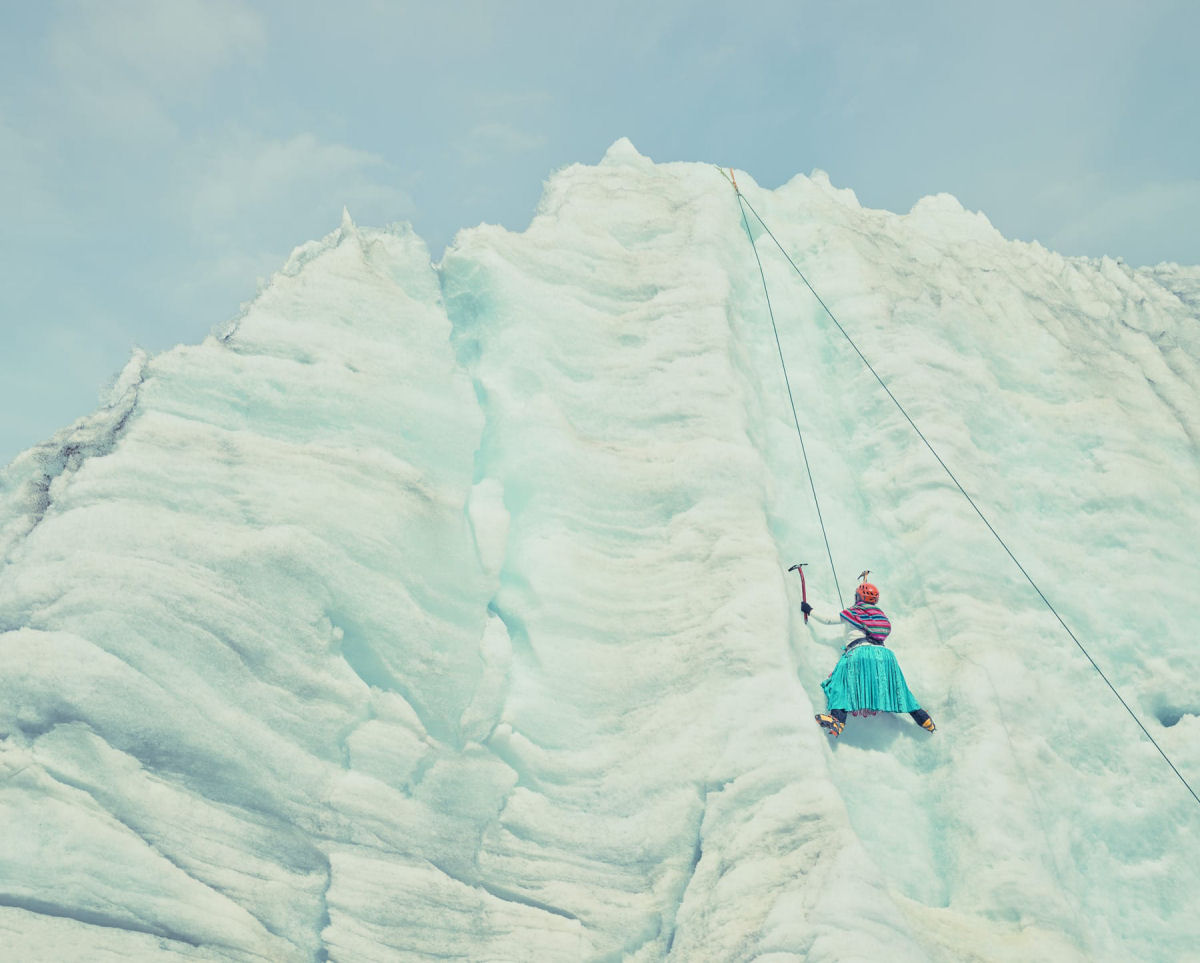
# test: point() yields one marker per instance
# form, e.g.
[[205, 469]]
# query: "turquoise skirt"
[[869, 677]]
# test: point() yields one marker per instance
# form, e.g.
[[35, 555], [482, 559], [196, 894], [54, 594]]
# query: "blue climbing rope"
[[787, 381], [743, 203]]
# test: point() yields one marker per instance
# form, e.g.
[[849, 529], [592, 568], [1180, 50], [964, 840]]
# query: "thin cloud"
[[1144, 222], [252, 179], [486, 141], [32, 203], [119, 63], [169, 45]]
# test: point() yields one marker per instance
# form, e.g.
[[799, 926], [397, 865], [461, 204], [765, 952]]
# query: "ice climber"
[[867, 678]]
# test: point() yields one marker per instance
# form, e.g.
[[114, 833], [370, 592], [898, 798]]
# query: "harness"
[[857, 642]]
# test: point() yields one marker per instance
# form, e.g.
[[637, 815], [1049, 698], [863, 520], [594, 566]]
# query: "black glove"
[[805, 608]]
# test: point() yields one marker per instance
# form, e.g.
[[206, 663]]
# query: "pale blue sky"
[[159, 157]]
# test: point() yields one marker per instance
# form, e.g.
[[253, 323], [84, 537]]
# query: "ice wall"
[[441, 611]]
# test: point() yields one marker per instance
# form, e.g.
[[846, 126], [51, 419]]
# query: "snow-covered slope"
[[442, 611]]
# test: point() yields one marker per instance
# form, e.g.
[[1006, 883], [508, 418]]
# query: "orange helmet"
[[866, 592]]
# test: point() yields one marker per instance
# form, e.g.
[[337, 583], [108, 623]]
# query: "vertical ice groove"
[[324, 920], [617, 421], [686, 882]]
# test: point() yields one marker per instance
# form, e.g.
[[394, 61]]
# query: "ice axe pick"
[[799, 567]]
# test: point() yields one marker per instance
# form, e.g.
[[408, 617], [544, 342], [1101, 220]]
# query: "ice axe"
[[799, 567]]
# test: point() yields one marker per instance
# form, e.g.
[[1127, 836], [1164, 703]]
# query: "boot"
[[831, 725]]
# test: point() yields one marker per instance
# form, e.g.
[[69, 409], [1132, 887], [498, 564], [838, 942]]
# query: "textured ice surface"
[[441, 611]]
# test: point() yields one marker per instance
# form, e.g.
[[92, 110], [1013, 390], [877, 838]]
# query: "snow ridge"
[[27, 486]]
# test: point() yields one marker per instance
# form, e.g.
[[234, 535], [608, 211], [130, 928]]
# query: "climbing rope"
[[743, 203], [787, 381]]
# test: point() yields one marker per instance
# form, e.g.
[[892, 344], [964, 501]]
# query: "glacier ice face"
[[440, 610]]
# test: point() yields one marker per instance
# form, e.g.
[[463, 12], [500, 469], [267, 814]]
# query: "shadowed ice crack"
[[91, 918], [93, 436]]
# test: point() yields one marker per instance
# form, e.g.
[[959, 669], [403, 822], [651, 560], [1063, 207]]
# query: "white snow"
[[443, 610]]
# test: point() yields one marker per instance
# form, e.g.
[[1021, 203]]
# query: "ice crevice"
[[1172, 714], [91, 918], [325, 920], [697, 855], [512, 896]]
